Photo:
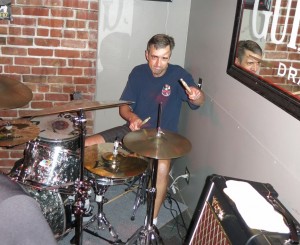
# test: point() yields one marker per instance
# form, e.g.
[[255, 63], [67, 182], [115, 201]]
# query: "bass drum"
[[56, 211]]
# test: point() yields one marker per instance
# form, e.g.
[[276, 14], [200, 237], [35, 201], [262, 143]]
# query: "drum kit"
[[58, 171]]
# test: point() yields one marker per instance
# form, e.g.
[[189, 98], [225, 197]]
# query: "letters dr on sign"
[[274, 26]]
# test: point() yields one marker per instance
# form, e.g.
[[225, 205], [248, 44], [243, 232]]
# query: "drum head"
[[56, 127]]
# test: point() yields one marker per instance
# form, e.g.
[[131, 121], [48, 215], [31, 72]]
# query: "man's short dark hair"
[[161, 41], [247, 45]]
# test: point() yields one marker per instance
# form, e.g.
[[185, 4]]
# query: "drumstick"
[[185, 85], [146, 120]]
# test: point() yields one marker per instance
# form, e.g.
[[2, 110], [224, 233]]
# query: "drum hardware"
[[100, 217], [107, 164], [140, 198], [30, 131], [13, 94], [155, 144]]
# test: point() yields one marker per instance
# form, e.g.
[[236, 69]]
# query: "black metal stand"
[[81, 188], [100, 216], [140, 198], [148, 234]]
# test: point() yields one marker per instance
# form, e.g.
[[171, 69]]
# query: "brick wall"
[[276, 53], [50, 46]]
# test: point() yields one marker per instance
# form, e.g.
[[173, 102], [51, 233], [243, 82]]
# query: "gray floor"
[[172, 224]]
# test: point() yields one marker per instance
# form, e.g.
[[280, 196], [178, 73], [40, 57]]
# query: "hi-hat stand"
[[148, 234]]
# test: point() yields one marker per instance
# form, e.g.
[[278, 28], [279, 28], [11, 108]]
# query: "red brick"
[[76, 24], [14, 51], [81, 63], [41, 104], [35, 11], [34, 79], [28, 31], [53, 62], [40, 52], [70, 71], [78, 44], [14, 31], [90, 72], [55, 3], [47, 42], [57, 97], [17, 69], [67, 53], [84, 80], [6, 60], [60, 79], [68, 13], [50, 22], [19, 41], [56, 33], [87, 15], [43, 70], [26, 61], [76, 4], [24, 21], [3, 30], [8, 113], [69, 34], [42, 32]]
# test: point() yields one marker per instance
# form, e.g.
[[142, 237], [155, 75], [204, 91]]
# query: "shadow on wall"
[[114, 58]]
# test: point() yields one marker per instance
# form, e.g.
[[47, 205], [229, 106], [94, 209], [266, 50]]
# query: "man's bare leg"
[[162, 182], [94, 139]]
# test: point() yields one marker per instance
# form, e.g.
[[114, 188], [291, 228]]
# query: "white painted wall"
[[124, 30], [237, 133]]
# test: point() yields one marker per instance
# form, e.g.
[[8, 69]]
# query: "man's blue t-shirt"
[[148, 92]]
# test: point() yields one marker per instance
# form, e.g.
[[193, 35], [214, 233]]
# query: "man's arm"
[[127, 114]]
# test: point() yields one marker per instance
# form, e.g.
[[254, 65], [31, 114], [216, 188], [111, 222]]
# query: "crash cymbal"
[[17, 132], [77, 105], [13, 94], [148, 143], [98, 160]]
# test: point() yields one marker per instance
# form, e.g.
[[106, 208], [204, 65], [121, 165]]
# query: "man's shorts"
[[119, 132]]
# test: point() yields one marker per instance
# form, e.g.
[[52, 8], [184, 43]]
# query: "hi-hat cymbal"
[[17, 132], [77, 105], [13, 94], [165, 145], [98, 160]]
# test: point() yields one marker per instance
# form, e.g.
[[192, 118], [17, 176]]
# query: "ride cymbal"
[[17, 132], [13, 94], [98, 159], [77, 105], [162, 145]]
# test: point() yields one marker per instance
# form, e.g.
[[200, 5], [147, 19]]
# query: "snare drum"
[[105, 170], [54, 157]]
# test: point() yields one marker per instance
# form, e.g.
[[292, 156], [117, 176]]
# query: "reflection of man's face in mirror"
[[249, 55]]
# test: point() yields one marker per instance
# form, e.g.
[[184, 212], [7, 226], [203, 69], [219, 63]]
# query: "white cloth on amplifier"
[[257, 212]]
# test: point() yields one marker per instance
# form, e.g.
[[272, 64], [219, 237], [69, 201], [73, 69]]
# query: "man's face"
[[158, 60], [251, 61]]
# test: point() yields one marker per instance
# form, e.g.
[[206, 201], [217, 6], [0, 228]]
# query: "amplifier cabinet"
[[217, 221]]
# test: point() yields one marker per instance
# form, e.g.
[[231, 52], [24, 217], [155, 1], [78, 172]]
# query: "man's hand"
[[196, 96]]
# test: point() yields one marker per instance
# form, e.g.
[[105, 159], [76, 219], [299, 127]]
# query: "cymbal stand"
[[100, 217], [80, 186], [148, 234], [140, 197]]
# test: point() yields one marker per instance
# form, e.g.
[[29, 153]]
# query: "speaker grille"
[[209, 230]]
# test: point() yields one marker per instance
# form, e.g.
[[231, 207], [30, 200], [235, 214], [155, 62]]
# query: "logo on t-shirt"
[[166, 90]]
